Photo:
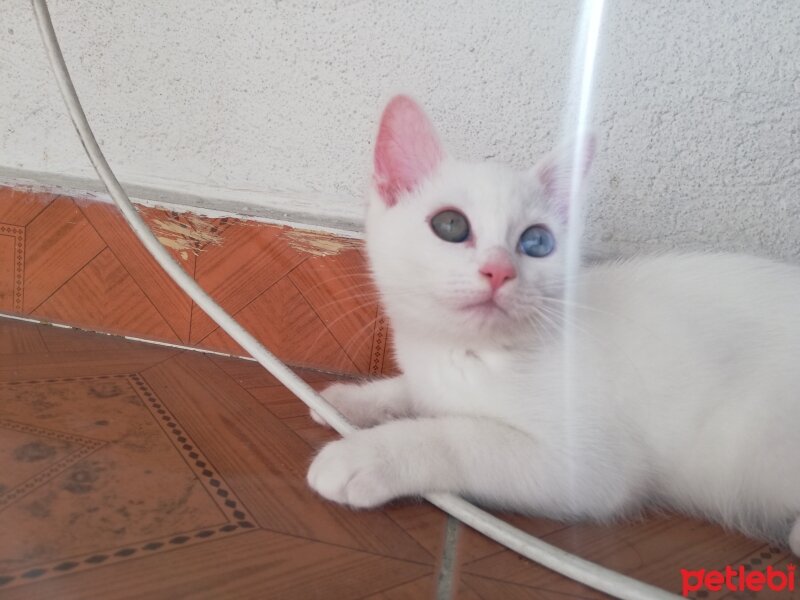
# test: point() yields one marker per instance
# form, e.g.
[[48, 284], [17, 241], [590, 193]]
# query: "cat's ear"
[[407, 149], [556, 171]]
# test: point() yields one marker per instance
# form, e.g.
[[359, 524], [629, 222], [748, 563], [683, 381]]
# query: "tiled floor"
[[137, 471]]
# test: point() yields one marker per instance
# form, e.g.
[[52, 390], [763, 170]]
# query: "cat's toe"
[[350, 473]]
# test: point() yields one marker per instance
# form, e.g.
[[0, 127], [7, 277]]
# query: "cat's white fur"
[[671, 380]]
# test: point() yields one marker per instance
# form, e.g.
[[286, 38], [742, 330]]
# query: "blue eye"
[[537, 241], [451, 226]]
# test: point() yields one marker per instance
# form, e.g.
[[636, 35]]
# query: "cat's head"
[[464, 250]]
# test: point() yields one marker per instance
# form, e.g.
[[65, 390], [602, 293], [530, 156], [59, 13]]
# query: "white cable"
[[558, 560]]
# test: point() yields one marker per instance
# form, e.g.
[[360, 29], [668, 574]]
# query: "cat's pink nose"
[[498, 269]]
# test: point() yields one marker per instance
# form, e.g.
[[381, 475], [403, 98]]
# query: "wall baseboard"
[[340, 216], [304, 292]]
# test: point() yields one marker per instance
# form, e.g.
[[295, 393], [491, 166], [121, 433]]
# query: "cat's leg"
[[794, 537], [478, 457], [369, 403]]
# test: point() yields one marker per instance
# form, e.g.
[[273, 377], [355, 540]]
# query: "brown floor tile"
[[340, 291], [12, 268], [249, 374], [419, 589], [281, 402], [654, 550], [61, 225], [262, 258], [102, 471], [75, 261], [19, 337], [766, 557], [246, 373], [427, 588], [118, 303], [282, 319], [494, 589], [86, 354], [473, 546], [423, 522], [172, 304], [76, 364], [257, 565], [294, 413], [384, 361], [20, 207], [266, 462], [61, 339], [313, 434], [118, 476]]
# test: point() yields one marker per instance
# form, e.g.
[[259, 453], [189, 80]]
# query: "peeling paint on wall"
[[187, 233], [320, 244]]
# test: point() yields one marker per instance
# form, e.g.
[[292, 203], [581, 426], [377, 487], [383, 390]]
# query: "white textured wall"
[[274, 102]]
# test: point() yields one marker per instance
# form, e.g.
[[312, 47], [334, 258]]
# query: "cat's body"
[[672, 390], [672, 380]]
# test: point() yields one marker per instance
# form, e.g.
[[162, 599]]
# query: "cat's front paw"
[[342, 396], [360, 404], [351, 471]]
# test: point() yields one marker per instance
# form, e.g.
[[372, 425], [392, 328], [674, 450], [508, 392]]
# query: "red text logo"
[[737, 580]]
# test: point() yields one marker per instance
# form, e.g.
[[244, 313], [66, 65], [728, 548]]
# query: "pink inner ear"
[[407, 149]]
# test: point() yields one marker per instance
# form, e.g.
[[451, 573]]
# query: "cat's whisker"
[[349, 313], [578, 306], [356, 336], [361, 340], [351, 283], [572, 304], [364, 300], [571, 324], [369, 297], [547, 324], [339, 271], [328, 330]]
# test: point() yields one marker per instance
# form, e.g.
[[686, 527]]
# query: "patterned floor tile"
[[120, 476], [419, 589], [118, 302], [19, 206], [340, 291], [173, 305], [12, 268], [270, 275], [487, 588], [17, 337], [249, 374], [282, 319], [258, 565], [67, 340], [653, 550], [267, 461], [60, 226], [261, 258]]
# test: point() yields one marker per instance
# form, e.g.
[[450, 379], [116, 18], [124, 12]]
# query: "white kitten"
[[679, 384]]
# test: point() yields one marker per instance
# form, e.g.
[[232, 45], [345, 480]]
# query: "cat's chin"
[[485, 309], [487, 317]]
